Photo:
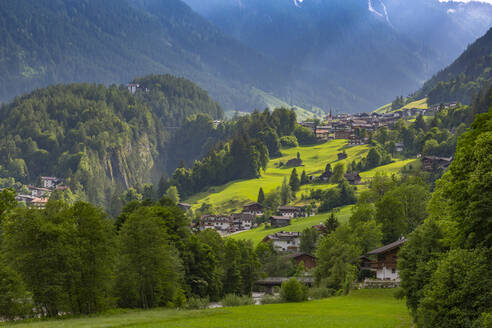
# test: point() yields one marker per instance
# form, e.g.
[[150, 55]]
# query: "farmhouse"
[[38, 192], [353, 178], [284, 241], [292, 211], [255, 209], [243, 221], [308, 260], [431, 163], [39, 203], [386, 261], [279, 221], [344, 134], [220, 223], [50, 182], [294, 162]]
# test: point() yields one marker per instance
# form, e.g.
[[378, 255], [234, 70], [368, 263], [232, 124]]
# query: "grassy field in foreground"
[[368, 308]]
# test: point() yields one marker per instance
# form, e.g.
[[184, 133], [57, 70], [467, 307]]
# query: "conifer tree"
[[261, 196], [304, 178], [294, 182]]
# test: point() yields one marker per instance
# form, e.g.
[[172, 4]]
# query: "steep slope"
[[98, 139], [373, 49], [463, 79], [45, 42]]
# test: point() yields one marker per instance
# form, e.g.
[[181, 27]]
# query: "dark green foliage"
[[252, 140], [294, 182], [64, 255], [343, 194], [304, 178], [305, 136], [458, 291], [417, 260], [289, 142], [309, 239], [336, 260], [398, 103], [331, 224], [261, 196], [445, 266], [149, 268], [100, 140], [293, 291], [462, 80], [14, 299]]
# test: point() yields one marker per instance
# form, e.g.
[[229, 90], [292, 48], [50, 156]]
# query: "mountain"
[[464, 78], [371, 49], [99, 140], [46, 42]]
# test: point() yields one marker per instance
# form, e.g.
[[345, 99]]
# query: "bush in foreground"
[[197, 303], [270, 299], [235, 300], [320, 293], [293, 291]]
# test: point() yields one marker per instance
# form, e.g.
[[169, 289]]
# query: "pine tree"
[[304, 178], [285, 192], [298, 155], [261, 196], [294, 182], [332, 223]]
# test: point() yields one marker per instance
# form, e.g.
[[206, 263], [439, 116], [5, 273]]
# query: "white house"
[[285, 241], [50, 182], [221, 223]]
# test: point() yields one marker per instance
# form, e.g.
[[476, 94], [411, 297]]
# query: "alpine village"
[[190, 163]]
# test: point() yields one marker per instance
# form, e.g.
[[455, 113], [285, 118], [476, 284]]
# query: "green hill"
[[231, 196], [99, 140]]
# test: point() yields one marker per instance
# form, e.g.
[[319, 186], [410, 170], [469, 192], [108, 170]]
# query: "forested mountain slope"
[[98, 139], [465, 77], [45, 42]]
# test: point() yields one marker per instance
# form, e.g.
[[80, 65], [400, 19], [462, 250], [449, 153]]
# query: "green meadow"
[[419, 104], [367, 308]]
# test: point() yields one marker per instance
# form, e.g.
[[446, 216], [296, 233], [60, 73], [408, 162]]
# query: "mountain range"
[[346, 55]]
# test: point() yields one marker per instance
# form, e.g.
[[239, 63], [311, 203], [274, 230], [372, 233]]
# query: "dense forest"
[[99, 140], [463, 80]]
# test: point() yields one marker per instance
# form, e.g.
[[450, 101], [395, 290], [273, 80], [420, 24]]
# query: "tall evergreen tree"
[[294, 182], [261, 196], [304, 178]]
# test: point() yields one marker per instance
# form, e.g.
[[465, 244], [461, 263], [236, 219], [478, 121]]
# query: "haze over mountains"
[[348, 55]]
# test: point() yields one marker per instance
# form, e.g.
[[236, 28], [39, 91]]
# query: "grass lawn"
[[369, 308]]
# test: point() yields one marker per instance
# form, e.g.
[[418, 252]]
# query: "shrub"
[[320, 293], [289, 142], [197, 303], [235, 300], [270, 299], [293, 291]]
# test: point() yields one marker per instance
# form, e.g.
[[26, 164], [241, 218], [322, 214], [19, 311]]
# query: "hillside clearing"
[[362, 308]]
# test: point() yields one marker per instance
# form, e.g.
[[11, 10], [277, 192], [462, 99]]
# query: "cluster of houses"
[[38, 196], [226, 224], [382, 263], [344, 126]]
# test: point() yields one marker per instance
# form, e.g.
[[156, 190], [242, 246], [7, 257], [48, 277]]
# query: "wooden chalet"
[[383, 261], [255, 209], [284, 241], [308, 260], [279, 221], [432, 163]]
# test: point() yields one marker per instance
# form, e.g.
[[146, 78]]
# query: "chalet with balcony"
[[284, 241], [255, 209], [279, 221], [383, 261]]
